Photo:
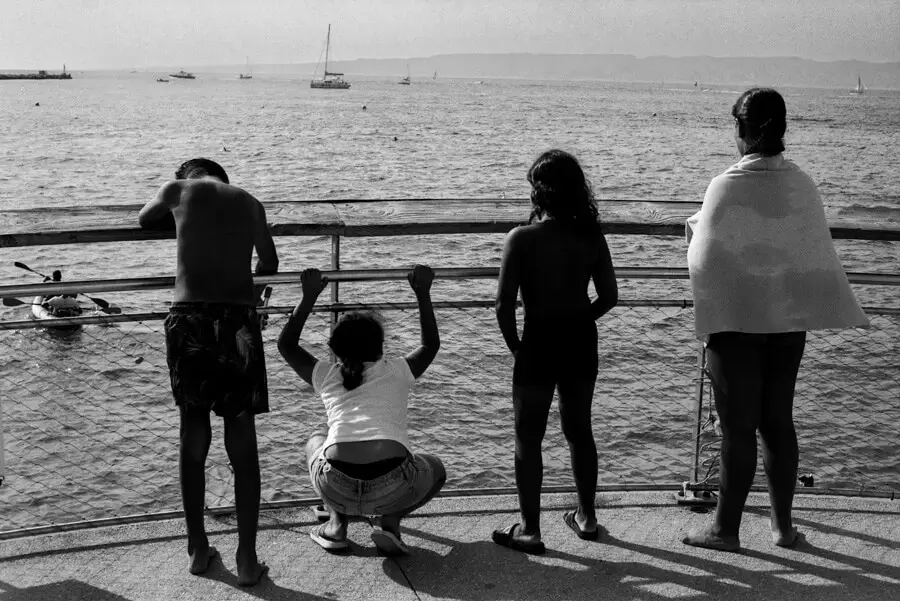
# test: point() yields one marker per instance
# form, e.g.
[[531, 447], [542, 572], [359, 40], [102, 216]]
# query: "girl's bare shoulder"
[[520, 233]]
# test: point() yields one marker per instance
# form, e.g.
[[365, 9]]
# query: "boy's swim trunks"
[[215, 357]]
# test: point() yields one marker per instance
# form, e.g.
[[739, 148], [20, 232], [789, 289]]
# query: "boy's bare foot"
[[789, 539], [708, 538], [250, 575], [201, 558]]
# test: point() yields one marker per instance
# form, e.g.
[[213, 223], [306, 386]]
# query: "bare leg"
[[532, 406], [336, 527], [195, 436], [734, 364], [575, 399], [779, 438], [240, 443], [391, 522]]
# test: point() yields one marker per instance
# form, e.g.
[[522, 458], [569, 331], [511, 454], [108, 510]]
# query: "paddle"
[[15, 302], [97, 301]]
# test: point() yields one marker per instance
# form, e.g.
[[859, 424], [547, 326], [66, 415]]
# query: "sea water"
[[114, 138]]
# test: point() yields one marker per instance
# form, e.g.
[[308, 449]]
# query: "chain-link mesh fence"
[[846, 407], [91, 430]]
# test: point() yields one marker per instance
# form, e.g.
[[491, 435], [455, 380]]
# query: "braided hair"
[[761, 117], [357, 338]]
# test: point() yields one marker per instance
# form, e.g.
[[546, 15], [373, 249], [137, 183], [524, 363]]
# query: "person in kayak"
[[60, 305]]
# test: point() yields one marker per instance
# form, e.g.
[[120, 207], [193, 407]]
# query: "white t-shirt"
[[376, 409]]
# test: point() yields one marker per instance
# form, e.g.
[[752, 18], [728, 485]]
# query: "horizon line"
[[461, 54]]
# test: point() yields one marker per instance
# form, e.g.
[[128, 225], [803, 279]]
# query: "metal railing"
[[91, 431]]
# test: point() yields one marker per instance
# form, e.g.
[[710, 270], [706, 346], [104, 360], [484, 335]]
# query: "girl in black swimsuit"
[[552, 260]]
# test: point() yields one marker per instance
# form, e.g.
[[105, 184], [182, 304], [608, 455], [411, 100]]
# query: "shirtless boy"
[[213, 343]]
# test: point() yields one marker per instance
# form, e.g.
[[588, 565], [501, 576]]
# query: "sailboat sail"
[[330, 80], [860, 88], [249, 73]]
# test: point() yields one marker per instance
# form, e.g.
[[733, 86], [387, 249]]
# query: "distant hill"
[[786, 71]]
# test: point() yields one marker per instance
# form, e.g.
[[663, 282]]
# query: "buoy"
[[364, 107], [37, 104], [654, 114], [395, 138], [224, 149]]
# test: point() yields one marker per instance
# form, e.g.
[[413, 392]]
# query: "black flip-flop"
[[569, 519], [504, 538]]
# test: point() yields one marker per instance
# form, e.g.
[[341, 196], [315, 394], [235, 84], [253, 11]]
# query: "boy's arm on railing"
[[604, 277], [507, 294], [157, 214], [267, 256], [420, 279], [289, 341]]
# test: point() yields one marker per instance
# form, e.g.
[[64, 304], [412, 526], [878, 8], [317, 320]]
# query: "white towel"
[[760, 254]]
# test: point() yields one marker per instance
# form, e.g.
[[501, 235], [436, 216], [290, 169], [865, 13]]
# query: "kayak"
[[54, 308]]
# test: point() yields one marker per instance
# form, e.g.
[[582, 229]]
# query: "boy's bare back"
[[217, 227]]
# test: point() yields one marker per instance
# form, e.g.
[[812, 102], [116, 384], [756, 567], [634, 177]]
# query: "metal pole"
[[335, 266], [698, 396], [369, 275]]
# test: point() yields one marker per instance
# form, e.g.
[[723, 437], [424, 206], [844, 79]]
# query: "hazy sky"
[[96, 34]]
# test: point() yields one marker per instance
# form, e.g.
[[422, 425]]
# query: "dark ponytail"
[[352, 372], [357, 338], [762, 119]]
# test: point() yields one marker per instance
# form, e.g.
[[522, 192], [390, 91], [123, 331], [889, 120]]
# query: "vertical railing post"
[[698, 415], [335, 266]]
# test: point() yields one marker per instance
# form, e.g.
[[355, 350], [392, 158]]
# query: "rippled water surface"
[[114, 139]]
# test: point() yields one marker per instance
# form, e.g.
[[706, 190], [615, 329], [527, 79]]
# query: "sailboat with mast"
[[405, 81], [249, 73], [860, 88], [330, 80]]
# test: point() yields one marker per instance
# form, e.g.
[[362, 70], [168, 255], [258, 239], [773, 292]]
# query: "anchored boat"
[[330, 80], [405, 81], [249, 73]]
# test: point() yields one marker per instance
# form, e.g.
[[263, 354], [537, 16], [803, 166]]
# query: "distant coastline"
[[36, 75], [707, 70]]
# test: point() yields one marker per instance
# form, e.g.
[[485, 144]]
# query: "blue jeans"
[[399, 492]]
